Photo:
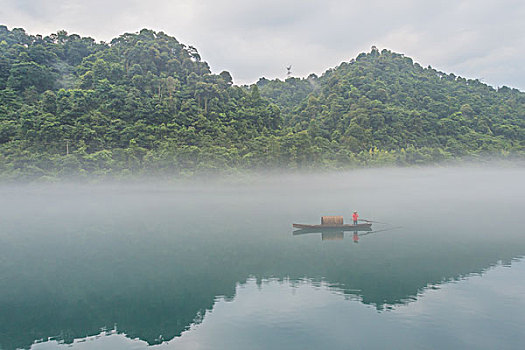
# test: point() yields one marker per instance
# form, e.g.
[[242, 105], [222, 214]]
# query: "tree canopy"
[[146, 103]]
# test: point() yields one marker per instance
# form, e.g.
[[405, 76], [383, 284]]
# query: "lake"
[[215, 264]]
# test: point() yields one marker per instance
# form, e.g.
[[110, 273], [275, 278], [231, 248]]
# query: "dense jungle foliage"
[[146, 104]]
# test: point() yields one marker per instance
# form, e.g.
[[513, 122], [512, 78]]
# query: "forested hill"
[[385, 100], [145, 103]]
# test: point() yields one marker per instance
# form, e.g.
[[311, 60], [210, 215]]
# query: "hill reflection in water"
[[152, 259], [299, 314]]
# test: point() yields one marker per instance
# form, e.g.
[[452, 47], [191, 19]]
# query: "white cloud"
[[259, 38]]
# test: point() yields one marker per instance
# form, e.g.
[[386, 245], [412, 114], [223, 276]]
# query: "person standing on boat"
[[355, 216]]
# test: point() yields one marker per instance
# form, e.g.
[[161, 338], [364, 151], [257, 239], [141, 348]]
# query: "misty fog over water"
[[213, 263]]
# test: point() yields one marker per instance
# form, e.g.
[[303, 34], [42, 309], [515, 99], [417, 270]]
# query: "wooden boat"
[[333, 223], [340, 227]]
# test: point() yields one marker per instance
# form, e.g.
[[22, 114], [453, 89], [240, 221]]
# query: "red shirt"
[[355, 216]]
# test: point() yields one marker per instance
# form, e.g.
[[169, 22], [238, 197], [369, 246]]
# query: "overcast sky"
[[482, 39]]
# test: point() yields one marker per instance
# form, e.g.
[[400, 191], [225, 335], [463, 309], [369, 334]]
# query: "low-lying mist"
[[383, 193]]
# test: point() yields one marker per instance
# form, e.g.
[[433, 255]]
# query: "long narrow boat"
[[340, 227]]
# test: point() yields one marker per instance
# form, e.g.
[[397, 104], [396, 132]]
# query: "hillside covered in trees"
[[146, 104]]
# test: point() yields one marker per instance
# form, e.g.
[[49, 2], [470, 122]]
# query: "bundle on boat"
[[331, 220]]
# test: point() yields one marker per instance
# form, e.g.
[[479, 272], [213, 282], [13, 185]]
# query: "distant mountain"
[[145, 103]]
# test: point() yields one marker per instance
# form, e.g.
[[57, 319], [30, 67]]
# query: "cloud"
[[260, 38]]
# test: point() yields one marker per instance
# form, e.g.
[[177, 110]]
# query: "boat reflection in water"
[[332, 236], [338, 234]]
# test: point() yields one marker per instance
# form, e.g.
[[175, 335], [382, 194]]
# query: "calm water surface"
[[216, 265]]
